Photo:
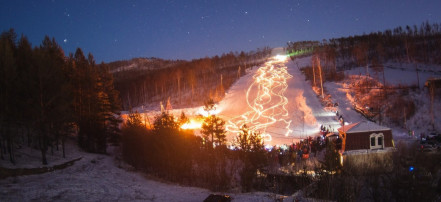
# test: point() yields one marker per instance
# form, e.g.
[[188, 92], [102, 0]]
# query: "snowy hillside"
[[304, 109], [400, 74], [141, 64], [395, 76], [305, 112], [99, 177]]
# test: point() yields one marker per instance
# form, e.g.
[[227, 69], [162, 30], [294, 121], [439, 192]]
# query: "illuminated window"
[[376, 141]]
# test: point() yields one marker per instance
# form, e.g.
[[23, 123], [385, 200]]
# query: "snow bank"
[[100, 178]]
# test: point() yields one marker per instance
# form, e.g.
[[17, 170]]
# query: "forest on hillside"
[[45, 97], [186, 83], [142, 64], [414, 45]]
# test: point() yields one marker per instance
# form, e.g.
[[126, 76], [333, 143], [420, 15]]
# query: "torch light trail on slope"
[[266, 100]]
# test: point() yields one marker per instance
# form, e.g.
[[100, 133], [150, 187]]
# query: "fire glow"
[[196, 122], [268, 104], [192, 124]]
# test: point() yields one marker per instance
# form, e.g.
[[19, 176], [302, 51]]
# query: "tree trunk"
[[43, 148], [192, 92], [29, 136], [313, 72], [43, 156], [62, 144], [11, 150], [321, 80], [179, 89], [407, 51], [418, 76], [10, 144], [432, 94], [1, 149]]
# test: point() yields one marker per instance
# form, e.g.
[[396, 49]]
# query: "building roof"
[[331, 134], [363, 126]]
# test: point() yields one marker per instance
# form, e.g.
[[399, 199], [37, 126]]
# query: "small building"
[[365, 135], [364, 143]]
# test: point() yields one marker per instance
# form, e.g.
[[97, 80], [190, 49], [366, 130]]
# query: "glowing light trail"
[[265, 97]]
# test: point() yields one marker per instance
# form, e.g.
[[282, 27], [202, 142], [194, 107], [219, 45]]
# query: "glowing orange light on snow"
[[192, 124], [196, 122], [204, 113]]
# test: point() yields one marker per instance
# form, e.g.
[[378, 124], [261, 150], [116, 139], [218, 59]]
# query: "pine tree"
[[249, 141], [165, 124], [96, 103], [252, 154], [213, 130], [133, 120], [183, 119], [8, 78], [112, 105], [24, 61], [51, 100], [47, 94], [332, 156]]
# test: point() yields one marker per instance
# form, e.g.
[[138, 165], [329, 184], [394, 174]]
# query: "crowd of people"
[[295, 152], [308, 147]]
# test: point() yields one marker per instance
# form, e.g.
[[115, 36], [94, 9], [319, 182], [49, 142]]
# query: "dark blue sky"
[[187, 29]]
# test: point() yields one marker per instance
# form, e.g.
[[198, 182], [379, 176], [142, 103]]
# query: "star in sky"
[[162, 28]]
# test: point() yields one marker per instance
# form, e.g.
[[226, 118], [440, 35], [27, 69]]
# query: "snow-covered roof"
[[363, 126]]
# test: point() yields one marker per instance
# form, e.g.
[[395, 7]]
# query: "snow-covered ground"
[[400, 74], [396, 74], [99, 177], [102, 178], [304, 108], [305, 112]]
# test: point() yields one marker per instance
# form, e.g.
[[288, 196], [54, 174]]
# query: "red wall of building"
[[361, 140]]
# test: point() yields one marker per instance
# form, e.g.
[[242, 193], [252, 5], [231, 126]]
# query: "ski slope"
[[276, 100], [299, 117]]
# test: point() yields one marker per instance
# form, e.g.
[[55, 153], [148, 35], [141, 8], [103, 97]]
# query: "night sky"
[[187, 29]]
